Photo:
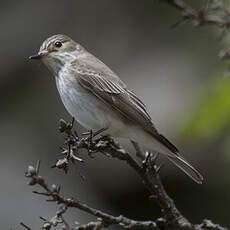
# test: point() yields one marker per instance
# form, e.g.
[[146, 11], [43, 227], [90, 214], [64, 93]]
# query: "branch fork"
[[148, 171]]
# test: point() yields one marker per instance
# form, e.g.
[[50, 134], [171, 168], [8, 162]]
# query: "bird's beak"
[[38, 56]]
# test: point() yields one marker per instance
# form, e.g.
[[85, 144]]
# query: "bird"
[[98, 99]]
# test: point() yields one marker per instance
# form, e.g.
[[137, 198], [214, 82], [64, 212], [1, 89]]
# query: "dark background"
[[169, 69]]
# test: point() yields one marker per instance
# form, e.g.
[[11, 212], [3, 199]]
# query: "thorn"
[[100, 131], [72, 122], [38, 166], [94, 134], [42, 218], [86, 133], [145, 161], [53, 166], [41, 193], [58, 188], [147, 155], [25, 226], [157, 170], [75, 158], [76, 135]]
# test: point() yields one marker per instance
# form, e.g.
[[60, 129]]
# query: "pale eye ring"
[[58, 44]]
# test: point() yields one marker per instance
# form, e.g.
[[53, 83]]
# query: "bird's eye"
[[58, 44]]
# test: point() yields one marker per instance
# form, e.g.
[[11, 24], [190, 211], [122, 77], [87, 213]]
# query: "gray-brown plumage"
[[97, 98]]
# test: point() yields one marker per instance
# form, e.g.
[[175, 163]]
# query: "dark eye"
[[58, 44]]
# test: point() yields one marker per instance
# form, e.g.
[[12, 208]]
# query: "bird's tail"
[[186, 168]]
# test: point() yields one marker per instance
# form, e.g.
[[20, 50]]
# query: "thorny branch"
[[147, 170], [53, 193], [215, 12]]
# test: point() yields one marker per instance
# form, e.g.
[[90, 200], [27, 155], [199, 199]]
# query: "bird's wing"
[[108, 87]]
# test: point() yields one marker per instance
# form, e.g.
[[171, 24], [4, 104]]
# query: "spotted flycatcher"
[[97, 98]]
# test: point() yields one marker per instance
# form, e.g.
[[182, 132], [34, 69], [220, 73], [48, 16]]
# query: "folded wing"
[[109, 88]]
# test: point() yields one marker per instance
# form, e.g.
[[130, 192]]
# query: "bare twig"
[[25, 226], [53, 194], [216, 12], [148, 171], [94, 225], [207, 224]]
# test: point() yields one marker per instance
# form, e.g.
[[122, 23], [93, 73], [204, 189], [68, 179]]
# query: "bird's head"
[[57, 50]]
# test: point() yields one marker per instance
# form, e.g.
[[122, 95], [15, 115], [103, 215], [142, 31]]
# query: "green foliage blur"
[[212, 114]]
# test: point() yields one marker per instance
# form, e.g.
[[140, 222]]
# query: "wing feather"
[[113, 91], [118, 97]]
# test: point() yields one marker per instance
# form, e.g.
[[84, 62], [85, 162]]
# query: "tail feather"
[[186, 168]]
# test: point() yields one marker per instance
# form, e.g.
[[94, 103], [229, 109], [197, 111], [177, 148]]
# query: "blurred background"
[[176, 72]]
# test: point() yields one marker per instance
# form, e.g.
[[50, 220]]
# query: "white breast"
[[94, 114], [86, 108]]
